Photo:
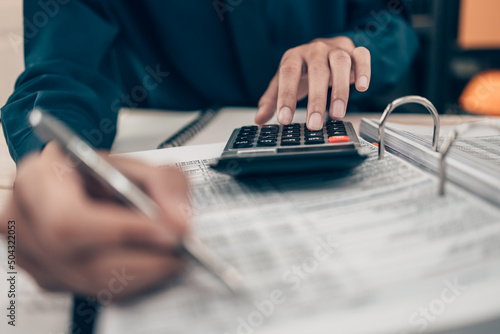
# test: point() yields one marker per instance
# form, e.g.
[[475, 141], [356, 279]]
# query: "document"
[[375, 250]]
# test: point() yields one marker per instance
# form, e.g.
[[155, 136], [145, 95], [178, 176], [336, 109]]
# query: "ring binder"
[[454, 134], [399, 102]]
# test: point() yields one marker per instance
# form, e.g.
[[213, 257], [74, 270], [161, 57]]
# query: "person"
[[85, 59]]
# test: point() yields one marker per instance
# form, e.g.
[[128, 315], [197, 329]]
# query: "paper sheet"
[[482, 144], [375, 251]]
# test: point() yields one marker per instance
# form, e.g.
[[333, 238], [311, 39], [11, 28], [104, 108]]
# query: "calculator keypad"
[[290, 135]]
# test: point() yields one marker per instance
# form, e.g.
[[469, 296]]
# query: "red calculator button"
[[338, 139]]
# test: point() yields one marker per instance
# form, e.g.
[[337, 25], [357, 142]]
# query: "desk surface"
[[52, 315], [7, 171]]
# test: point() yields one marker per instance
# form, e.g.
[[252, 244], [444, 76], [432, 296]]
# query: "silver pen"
[[116, 184]]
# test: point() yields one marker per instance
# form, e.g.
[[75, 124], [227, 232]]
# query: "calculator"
[[285, 149]]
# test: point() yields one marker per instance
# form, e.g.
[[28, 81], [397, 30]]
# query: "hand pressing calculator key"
[[284, 149]]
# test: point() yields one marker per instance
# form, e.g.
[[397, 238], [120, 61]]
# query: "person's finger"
[[68, 221], [290, 73], [73, 226], [362, 64], [41, 275], [168, 187], [340, 64], [44, 266], [119, 274], [55, 270], [107, 225], [267, 103], [318, 72]]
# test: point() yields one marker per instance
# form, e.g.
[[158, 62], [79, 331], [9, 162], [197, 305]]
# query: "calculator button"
[[314, 134], [335, 126], [291, 132], [336, 133], [248, 130], [314, 140], [338, 139], [292, 135], [245, 138], [246, 134], [251, 127], [266, 142], [290, 141], [333, 121], [273, 136], [243, 144], [291, 127], [336, 130], [270, 126], [268, 131]]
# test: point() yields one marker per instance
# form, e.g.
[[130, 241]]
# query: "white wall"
[[11, 54]]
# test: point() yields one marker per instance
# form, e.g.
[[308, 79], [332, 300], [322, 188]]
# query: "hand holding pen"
[[89, 229], [71, 241]]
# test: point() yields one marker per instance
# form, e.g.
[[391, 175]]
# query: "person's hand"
[[309, 70], [69, 241]]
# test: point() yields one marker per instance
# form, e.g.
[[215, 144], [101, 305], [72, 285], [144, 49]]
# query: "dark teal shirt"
[[87, 58]]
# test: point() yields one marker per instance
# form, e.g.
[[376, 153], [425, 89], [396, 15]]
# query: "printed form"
[[373, 251]]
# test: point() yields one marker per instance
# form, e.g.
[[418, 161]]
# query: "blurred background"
[[459, 40]]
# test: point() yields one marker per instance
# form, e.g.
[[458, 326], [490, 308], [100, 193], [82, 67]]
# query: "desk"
[[7, 171], [43, 312]]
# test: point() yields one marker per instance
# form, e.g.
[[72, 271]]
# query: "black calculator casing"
[[280, 160]]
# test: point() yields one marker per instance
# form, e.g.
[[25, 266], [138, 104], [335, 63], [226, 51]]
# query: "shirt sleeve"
[[69, 73], [384, 28]]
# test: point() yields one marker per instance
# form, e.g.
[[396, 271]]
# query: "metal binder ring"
[[454, 134], [399, 102]]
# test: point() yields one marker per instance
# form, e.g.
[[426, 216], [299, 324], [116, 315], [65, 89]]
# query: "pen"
[[116, 184]]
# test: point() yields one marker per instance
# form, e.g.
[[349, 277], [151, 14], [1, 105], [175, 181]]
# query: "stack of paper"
[[473, 162]]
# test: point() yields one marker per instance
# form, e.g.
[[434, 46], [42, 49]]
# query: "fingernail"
[[338, 110], [363, 82], [285, 116], [315, 122]]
